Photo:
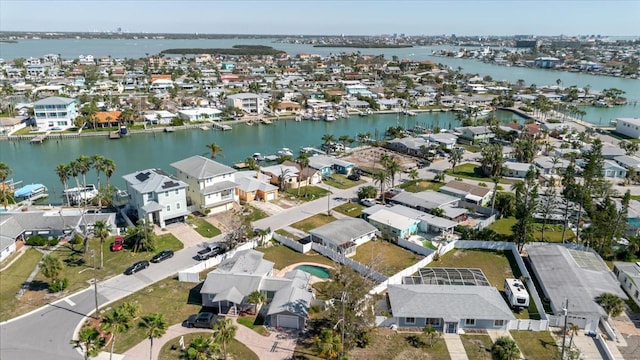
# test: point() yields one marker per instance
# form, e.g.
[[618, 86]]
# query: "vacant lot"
[[369, 159], [536, 345], [283, 256], [350, 209], [11, 279], [236, 349], [385, 257], [477, 346], [419, 185], [313, 222], [308, 193], [341, 182]]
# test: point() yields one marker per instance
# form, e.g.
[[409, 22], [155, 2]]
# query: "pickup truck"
[[209, 252]]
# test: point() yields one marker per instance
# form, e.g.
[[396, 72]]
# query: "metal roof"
[[448, 276]]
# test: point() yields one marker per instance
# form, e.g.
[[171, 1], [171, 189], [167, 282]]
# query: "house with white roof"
[[628, 274], [156, 196], [468, 192], [248, 102], [391, 229], [162, 117], [55, 113], [629, 127], [628, 162], [230, 284], [212, 186], [515, 169], [199, 114], [344, 235], [428, 200]]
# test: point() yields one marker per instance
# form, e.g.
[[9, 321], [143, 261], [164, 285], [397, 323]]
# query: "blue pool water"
[[322, 273]]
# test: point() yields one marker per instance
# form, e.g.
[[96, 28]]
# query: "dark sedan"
[[162, 256], [202, 320], [140, 265]]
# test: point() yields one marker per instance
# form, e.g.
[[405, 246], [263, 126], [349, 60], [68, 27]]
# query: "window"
[[410, 320], [177, 191], [177, 205], [166, 194], [470, 322], [433, 321], [168, 207], [498, 323], [636, 293]]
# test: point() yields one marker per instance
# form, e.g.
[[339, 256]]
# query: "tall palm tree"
[[155, 326], [215, 150], [328, 139], [5, 171], [223, 332], [109, 167], [382, 178], [303, 162], [574, 329], [455, 156], [115, 322], [90, 341], [63, 171], [84, 165], [101, 230], [98, 164], [393, 168]]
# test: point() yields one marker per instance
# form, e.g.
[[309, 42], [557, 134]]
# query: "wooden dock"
[[38, 139], [114, 135], [222, 127]]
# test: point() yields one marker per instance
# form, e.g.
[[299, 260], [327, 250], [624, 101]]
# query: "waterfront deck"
[[38, 139], [222, 127]]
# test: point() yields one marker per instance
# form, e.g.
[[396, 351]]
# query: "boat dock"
[[114, 135], [222, 127], [38, 139], [312, 151], [265, 121]]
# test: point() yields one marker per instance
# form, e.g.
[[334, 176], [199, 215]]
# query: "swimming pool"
[[318, 271]]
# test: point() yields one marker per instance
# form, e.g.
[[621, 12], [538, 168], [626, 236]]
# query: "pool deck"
[[314, 279]]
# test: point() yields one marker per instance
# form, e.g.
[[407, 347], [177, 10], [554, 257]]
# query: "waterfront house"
[[159, 117], [106, 118], [212, 186], [55, 113], [475, 134], [628, 274], [253, 186], [570, 272], [327, 165], [344, 235], [468, 192], [408, 145], [629, 127], [451, 308], [156, 196], [199, 114], [443, 139], [247, 102], [228, 287]]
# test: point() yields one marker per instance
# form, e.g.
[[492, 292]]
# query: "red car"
[[117, 244]]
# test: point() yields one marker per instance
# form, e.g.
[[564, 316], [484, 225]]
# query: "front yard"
[[477, 346], [341, 182], [283, 256], [313, 222], [385, 257], [11, 279], [468, 171], [171, 350], [419, 185], [202, 226], [350, 209], [308, 193], [536, 345]]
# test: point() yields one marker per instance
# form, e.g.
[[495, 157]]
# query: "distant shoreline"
[[365, 46], [235, 50]]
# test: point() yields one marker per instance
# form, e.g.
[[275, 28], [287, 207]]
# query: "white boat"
[[257, 156], [204, 128], [30, 192], [329, 117], [284, 152], [81, 194], [298, 118]]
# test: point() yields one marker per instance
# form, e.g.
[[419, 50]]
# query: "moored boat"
[[30, 192], [284, 152]]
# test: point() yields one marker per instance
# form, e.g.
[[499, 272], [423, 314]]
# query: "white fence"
[[301, 248], [416, 248], [530, 325], [192, 274], [344, 260]]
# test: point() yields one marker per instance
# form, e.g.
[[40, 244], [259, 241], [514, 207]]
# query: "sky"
[[328, 17]]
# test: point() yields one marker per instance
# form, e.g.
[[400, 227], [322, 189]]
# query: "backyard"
[[385, 257], [552, 232], [171, 350], [536, 345], [283, 256], [313, 222]]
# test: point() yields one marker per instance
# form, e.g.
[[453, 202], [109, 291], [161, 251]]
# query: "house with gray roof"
[[427, 200], [475, 134], [156, 196], [467, 192], [211, 185], [628, 162], [449, 308], [515, 169], [344, 235], [328, 165], [252, 186], [569, 272], [408, 145], [55, 113], [628, 274], [228, 287]]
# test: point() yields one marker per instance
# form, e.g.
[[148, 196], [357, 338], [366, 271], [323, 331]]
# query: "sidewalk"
[[455, 347]]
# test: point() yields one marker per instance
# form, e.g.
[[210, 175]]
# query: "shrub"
[[52, 242], [36, 240], [525, 109], [482, 184], [58, 285]]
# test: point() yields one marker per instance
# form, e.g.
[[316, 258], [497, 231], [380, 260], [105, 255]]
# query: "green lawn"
[[552, 233], [419, 185], [350, 209], [169, 297], [468, 171], [536, 345], [254, 324], [283, 256], [385, 257], [236, 349], [341, 182], [313, 222], [308, 193], [11, 280], [477, 346], [286, 233], [203, 227], [386, 344], [256, 214]]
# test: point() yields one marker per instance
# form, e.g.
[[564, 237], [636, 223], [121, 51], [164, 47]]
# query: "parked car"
[[117, 244], [354, 176], [201, 320], [162, 256], [210, 251], [368, 202], [140, 265]]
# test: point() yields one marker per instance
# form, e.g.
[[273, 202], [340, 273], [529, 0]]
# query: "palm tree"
[[327, 344], [430, 333], [84, 165], [382, 178], [214, 149], [574, 329], [328, 139], [90, 341], [455, 156], [282, 179], [98, 165], [5, 171], [101, 230], [262, 234], [256, 298], [413, 174], [223, 332], [156, 326], [496, 180], [611, 303], [393, 168], [505, 348], [303, 162], [109, 167], [63, 172], [51, 267], [251, 163], [115, 322], [202, 348]]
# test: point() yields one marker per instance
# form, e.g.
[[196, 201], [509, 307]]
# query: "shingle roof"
[[54, 100], [342, 231], [294, 298], [152, 180], [200, 167], [450, 302]]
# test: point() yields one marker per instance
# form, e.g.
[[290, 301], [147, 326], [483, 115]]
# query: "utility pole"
[[565, 312], [95, 282], [328, 202], [343, 300]]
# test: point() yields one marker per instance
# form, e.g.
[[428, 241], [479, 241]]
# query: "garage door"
[[271, 196], [287, 321]]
